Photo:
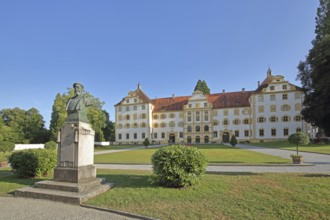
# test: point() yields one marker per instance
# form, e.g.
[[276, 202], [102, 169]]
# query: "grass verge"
[[214, 153], [315, 148], [115, 147]]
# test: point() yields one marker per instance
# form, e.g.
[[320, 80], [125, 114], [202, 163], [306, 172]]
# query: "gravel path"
[[14, 208]]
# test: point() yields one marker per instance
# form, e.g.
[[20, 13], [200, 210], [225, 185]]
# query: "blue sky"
[[112, 45]]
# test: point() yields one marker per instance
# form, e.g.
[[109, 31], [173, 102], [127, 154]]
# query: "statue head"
[[78, 88]]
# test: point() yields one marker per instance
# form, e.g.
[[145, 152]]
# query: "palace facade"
[[271, 112]]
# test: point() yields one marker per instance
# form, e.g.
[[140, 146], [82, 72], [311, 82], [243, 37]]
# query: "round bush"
[[178, 166], [33, 162], [51, 145]]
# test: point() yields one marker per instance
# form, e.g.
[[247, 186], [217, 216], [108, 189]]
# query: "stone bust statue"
[[77, 105]]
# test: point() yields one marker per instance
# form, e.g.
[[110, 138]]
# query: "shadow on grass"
[[317, 175], [7, 176], [233, 173], [128, 180]]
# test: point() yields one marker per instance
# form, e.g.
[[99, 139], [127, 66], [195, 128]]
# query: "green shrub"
[[33, 162], [178, 166], [233, 141], [146, 142], [6, 146], [51, 145]]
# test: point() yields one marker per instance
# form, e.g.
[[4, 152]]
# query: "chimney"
[[223, 91]]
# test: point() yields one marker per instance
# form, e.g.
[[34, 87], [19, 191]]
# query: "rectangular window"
[[189, 105], [135, 100], [135, 135], [143, 107], [135, 107], [246, 133], [298, 130], [225, 112], [272, 88], [273, 132], [155, 135], [285, 131], [237, 133], [260, 98], [143, 135], [272, 97], [127, 108], [215, 134], [297, 95], [127, 100], [119, 136], [284, 96], [189, 119], [181, 134], [284, 87], [206, 118], [261, 132], [163, 135], [127, 136], [119, 109], [205, 104]]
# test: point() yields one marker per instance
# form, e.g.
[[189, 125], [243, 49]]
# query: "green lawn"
[[115, 147], [9, 182], [317, 148], [220, 196], [217, 196], [214, 154]]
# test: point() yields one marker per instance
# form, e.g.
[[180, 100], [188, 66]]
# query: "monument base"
[[74, 193], [74, 174]]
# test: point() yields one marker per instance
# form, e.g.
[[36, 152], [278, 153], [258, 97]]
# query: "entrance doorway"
[[172, 138], [225, 137]]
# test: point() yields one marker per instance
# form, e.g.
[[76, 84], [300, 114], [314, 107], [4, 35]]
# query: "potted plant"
[[298, 139], [146, 142], [233, 141]]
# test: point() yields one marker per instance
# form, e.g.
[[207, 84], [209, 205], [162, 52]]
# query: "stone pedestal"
[[75, 153], [75, 175]]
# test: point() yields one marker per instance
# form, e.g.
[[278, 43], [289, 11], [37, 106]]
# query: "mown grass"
[[220, 196], [316, 148], [10, 182], [217, 196], [115, 147], [214, 154]]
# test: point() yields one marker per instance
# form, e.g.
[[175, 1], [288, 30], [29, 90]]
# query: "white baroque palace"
[[271, 112]]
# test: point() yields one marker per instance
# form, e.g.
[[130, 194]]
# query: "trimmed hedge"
[[178, 166], [33, 162]]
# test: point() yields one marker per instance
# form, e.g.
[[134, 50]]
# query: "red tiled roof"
[[219, 100], [170, 104]]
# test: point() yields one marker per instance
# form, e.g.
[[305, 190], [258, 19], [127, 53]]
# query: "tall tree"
[[202, 86], [109, 129], [314, 72]]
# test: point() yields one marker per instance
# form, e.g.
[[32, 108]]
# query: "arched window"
[[236, 121], [206, 139], [163, 125], [172, 115], [206, 128], [189, 139], [155, 116], [198, 128], [135, 125], [120, 126], [198, 139], [155, 125], [246, 121]]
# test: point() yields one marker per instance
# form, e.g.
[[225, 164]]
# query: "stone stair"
[[74, 193]]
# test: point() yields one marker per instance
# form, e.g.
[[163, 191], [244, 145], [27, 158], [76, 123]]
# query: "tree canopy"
[[314, 72], [20, 126], [202, 86]]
